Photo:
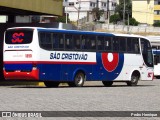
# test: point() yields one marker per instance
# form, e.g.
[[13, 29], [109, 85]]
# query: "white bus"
[[54, 56], [155, 43]]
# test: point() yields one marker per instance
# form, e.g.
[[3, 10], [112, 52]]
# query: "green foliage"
[[114, 18], [97, 13], [120, 8], [156, 24], [62, 19], [132, 21]]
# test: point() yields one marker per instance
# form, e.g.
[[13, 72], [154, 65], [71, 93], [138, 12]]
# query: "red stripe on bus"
[[45, 62]]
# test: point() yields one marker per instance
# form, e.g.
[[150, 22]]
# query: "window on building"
[[157, 2], [104, 4], [71, 3], [92, 4]]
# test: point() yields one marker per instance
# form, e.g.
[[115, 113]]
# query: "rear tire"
[[78, 80], [51, 84], [107, 83], [134, 80]]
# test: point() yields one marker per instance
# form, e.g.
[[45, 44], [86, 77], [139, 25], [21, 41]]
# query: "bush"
[[156, 24], [114, 18], [132, 21]]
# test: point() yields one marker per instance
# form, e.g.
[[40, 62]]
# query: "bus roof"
[[78, 31]]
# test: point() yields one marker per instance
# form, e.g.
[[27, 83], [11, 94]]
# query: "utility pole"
[[79, 7], [128, 22], [97, 4], [124, 9], [108, 12]]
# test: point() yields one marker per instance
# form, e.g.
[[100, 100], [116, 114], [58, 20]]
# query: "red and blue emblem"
[[112, 63]]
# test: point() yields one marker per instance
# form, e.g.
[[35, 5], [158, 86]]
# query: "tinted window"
[[108, 44], [100, 43], [46, 41], [68, 41], [19, 36], [122, 44], [147, 52], [76, 42], [115, 44], [85, 42], [133, 45]]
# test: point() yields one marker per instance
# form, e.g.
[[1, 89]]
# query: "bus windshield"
[[19, 36], [147, 52]]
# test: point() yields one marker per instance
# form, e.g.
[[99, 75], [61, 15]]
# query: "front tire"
[[51, 84], [134, 80], [107, 83], [78, 80]]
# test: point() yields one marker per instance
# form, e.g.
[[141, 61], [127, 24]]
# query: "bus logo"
[[113, 64], [110, 61], [17, 37]]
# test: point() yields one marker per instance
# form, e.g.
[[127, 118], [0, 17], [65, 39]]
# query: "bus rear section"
[[18, 55]]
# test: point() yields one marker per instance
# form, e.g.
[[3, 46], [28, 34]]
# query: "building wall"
[[157, 13], [82, 6], [85, 7], [143, 11]]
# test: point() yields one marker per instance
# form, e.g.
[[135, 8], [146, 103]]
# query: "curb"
[[12, 83]]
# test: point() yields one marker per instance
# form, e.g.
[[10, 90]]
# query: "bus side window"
[[68, 41], [76, 42], [84, 42], [42, 37], [115, 44], [48, 41], [61, 41], [135, 45], [55, 41], [93, 43], [129, 45], [45, 40], [122, 43], [100, 43], [108, 44]]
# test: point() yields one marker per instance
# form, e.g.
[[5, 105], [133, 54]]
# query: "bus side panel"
[[109, 66], [68, 71], [49, 72], [64, 72], [98, 70]]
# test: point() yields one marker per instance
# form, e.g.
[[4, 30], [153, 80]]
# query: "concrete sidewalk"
[[12, 83]]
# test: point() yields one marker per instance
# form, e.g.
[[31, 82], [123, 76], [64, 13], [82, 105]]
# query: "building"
[[146, 11], [78, 9], [22, 11]]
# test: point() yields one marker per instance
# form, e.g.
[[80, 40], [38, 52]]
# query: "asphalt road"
[[92, 97]]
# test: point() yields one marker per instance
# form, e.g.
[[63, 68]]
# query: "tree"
[[97, 13], [114, 18], [62, 19], [120, 8]]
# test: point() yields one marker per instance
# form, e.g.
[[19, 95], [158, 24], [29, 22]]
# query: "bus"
[[155, 43], [54, 56]]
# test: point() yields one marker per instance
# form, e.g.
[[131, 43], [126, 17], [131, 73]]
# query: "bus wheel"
[[134, 80], [50, 84], [107, 83], [78, 80]]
